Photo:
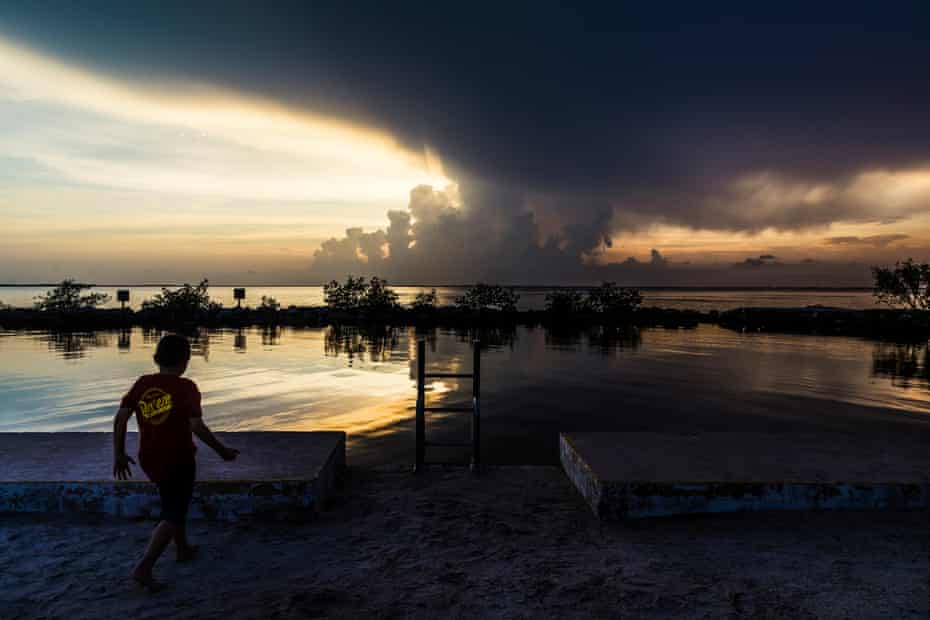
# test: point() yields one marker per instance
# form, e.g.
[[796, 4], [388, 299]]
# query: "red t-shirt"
[[164, 405]]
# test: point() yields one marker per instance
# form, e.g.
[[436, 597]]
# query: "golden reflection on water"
[[362, 381], [907, 365]]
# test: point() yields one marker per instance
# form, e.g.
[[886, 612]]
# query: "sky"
[[521, 143]]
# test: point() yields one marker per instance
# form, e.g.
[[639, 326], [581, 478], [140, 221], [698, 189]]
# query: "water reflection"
[[125, 340], [240, 343], [906, 364], [490, 337], [74, 345], [199, 339], [536, 382], [271, 335], [606, 340], [376, 342]]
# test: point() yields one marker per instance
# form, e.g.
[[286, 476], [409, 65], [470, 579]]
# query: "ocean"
[[535, 383]]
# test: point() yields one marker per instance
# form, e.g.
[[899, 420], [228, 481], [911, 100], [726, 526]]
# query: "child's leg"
[[180, 536], [161, 537], [184, 551]]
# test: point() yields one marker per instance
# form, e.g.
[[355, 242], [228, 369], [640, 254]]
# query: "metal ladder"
[[422, 409]]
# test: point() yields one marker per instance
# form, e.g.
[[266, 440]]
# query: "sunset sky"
[[295, 142]]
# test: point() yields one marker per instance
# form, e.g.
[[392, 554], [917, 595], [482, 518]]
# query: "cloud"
[[876, 241], [589, 115], [562, 126], [94, 130], [441, 239]]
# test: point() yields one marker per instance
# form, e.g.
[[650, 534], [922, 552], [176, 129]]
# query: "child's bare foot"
[[147, 582], [187, 553]]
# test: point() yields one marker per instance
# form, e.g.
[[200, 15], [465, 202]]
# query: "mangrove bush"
[[67, 297], [488, 297], [187, 302], [357, 294], [424, 301], [609, 298], [905, 284]]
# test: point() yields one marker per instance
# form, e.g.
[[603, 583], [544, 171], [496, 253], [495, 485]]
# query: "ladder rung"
[[447, 375], [447, 444], [449, 409]]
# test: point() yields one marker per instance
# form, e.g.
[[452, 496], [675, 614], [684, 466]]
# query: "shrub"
[[908, 284], [565, 302], [488, 297], [346, 296], [269, 304], [424, 301], [612, 299], [378, 296], [356, 294], [66, 297], [188, 301]]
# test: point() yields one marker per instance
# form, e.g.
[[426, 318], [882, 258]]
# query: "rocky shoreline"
[[891, 324]]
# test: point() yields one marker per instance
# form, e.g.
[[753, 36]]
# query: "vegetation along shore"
[[358, 301]]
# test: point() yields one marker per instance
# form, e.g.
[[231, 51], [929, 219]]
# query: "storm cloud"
[[563, 126]]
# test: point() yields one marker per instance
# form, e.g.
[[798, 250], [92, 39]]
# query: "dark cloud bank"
[[564, 125]]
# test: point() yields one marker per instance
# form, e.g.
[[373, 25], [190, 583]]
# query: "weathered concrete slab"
[[277, 474], [634, 475]]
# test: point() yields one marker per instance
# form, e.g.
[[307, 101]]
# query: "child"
[[167, 408]]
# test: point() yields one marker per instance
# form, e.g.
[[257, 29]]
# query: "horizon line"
[[422, 285]]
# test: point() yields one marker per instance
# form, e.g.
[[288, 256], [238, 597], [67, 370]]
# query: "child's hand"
[[229, 454], [121, 469]]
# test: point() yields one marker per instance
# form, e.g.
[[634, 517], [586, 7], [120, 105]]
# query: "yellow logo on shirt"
[[155, 406]]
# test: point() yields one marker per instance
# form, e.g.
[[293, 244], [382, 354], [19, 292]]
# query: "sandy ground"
[[513, 543]]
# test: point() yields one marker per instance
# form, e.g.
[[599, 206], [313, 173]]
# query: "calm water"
[[535, 383], [530, 298]]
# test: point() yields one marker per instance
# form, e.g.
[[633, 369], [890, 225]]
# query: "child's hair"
[[172, 350]]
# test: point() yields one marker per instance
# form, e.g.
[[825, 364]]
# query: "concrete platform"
[[636, 475], [277, 474]]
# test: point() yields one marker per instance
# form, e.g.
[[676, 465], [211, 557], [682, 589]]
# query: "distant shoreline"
[[882, 323], [524, 287]]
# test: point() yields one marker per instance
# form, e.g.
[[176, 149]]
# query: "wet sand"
[[517, 542]]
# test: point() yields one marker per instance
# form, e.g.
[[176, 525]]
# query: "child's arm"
[[121, 461], [199, 428]]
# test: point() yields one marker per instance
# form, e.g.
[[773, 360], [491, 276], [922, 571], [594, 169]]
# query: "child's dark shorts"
[[176, 490]]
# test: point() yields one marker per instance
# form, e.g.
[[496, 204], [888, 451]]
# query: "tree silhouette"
[[488, 297], [67, 297], [186, 302], [908, 284]]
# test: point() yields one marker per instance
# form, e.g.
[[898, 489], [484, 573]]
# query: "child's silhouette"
[[167, 408]]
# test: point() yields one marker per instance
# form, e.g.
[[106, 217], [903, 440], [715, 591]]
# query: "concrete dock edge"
[[619, 499], [581, 475], [274, 497]]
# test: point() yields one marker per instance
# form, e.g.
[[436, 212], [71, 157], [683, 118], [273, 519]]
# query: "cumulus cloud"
[[445, 237], [441, 239]]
